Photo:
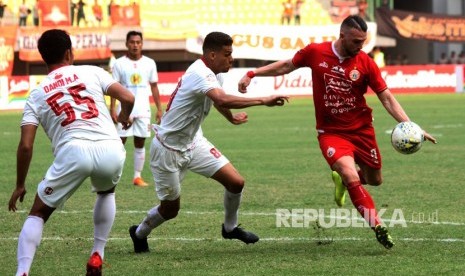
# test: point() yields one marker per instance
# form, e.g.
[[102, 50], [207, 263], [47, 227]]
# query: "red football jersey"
[[339, 86]]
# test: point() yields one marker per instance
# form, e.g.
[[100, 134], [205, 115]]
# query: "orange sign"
[[125, 15], [88, 43], [55, 12], [7, 49]]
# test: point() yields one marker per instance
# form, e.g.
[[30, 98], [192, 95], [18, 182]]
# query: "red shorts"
[[361, 146]]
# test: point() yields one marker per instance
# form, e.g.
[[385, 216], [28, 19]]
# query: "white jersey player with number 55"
[[69, 104]]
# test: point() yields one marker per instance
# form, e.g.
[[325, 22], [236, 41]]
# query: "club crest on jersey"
[[354, 74], [330, 152], [48, 191], [323, 64], [136, 79], [338, 69], [211, 78]]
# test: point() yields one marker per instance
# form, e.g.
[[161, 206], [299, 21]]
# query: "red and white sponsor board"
[[400, 79]]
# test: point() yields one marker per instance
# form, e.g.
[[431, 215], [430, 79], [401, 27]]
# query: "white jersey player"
[[137, 73], [179, 144], [69, 104], [189, 101]]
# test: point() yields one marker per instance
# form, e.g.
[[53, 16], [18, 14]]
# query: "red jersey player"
[[341, 74]]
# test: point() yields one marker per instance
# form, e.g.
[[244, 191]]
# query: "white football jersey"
[[69, 104], [136, 76], [188, 107]]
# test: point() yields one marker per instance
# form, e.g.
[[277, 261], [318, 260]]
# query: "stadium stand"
[[212, 12], [244, 12]]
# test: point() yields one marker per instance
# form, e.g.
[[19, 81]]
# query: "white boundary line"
[[281, 239], [258, 214], [269, 239]]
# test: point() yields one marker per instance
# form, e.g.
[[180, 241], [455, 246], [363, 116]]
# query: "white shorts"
[[169, 166], [102, 161], [141, 127]]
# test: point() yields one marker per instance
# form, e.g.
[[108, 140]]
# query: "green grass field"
[[277, 153]]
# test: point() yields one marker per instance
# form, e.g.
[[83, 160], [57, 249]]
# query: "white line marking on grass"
[[259, 214], [280, 239], [448, 126]]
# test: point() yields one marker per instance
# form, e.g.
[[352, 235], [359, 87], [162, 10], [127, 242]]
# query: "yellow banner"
[[164, 20]]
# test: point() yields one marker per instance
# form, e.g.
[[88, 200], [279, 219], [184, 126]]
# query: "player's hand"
[[114, 116], [18, 193], [429, 137], [125, 121], [243, 83], [276, 100], [158, 116], [239, 118]]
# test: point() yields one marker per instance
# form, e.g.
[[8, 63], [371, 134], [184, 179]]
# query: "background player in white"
[[137, 73], [69, 104], [179, 144]]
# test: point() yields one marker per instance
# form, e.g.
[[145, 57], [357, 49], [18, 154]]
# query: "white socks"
[[139, 160], [231, 209], [151, 221], [104, 216], [28, 241]]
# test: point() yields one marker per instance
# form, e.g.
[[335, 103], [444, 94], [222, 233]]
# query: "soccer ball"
[[407, 137]]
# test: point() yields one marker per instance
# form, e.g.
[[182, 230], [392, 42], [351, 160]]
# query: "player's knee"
[[168, 213], [169, 209], [237, 185], [376, 181]]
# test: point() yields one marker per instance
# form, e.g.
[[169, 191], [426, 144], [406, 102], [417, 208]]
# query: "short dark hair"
[[215, 41], [131, 33], [53, 44], [354, 22]]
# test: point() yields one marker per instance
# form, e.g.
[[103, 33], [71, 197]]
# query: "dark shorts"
[[361, 145]]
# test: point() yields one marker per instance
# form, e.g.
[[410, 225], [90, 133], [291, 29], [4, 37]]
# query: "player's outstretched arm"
[[235, 119], [23, 160], [277, 68], [223, 100], [394, 108]]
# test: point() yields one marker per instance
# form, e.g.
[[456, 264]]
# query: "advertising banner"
[[415, 25], [7, 49], [265, 43], [88, 43], [400, 79]]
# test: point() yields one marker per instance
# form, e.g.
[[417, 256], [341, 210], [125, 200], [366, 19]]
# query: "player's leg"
[[369, 160], [233, 183], [108, 161], [31, 235], [64, 176], [139, 161], [361, 199], [332, 148], [209, 162], [369, 175], [166, 167], [141, 131]]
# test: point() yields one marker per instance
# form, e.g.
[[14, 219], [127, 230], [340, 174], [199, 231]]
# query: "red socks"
[[363, 203]]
